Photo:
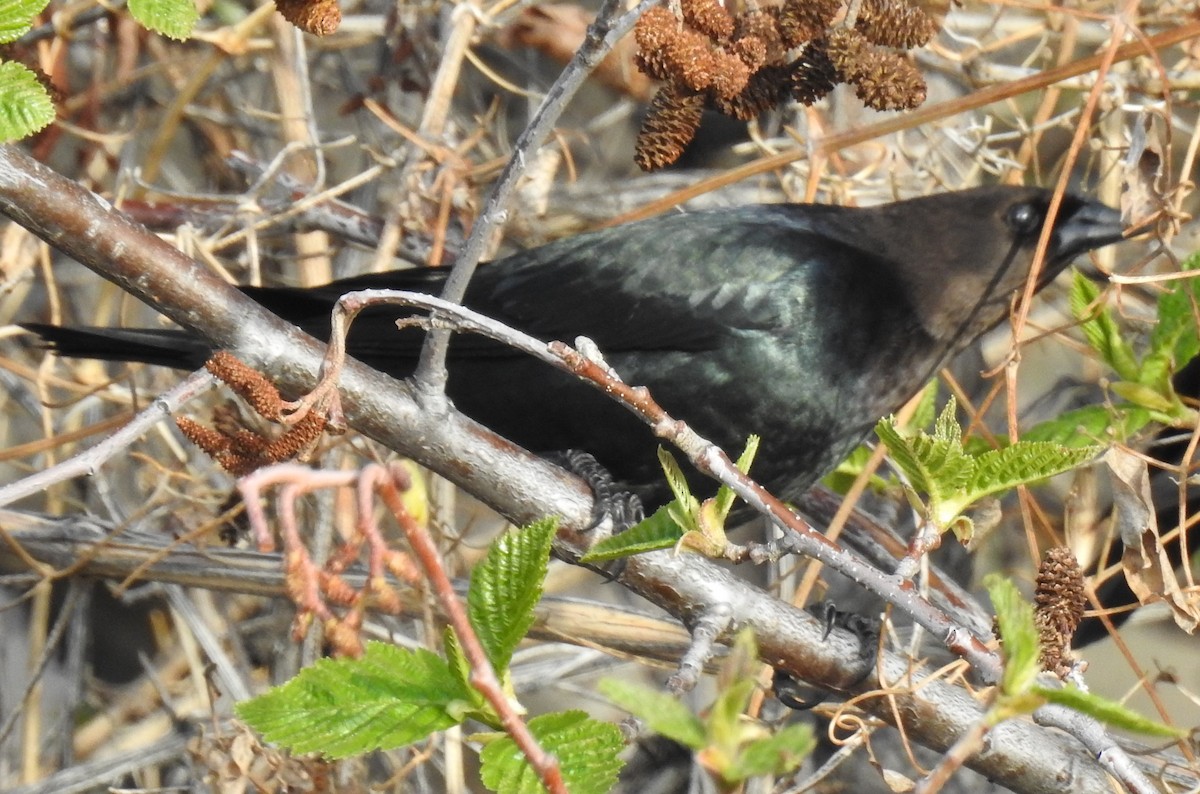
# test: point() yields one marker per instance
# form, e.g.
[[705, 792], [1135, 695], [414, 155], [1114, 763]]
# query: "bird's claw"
[[621, 508]]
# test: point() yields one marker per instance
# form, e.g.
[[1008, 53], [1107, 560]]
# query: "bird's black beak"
[[1091, 225], [1084, 227]]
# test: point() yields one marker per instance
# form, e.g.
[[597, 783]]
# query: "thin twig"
[[518, 485], [831, 144], [702, 453], [483, 676], [91, 459], [430, 375], [709, 458]]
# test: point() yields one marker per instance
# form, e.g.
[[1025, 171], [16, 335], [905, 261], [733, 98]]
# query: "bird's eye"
[[1024, 218]]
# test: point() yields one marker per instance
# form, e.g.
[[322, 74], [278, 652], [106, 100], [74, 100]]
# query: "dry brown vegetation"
[[272, 156]]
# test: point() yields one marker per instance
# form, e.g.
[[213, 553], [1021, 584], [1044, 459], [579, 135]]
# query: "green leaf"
[[778, 754], [505, 588], [1174, 341], [935, 464], [25, 106], [841, 478], [725, 494], [460, 668], [658, 531], [16, 18], [174, 19], [1085, 426], [926, 409], [1026, 461], [725, 721], [341, 707], [682, 519], [1101, 329], [1108, 712], [586, 750], [946, 427], [1018, 635], [902, 453], [953, 479], [1145, 396], [661, 712], [686, 503]]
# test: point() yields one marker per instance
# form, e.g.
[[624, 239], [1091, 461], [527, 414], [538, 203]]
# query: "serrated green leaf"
[[1022, 463], [1143, 396], [1108, 712], [586, 750], [1155, 375], [778, 754], [936, 465], [456, 662], [725, 494], [926, 409], [661, 712], [1103, 334], [746, 459], [389, 698], [725, 722], [688, 504], [945, 462], [1018, 634], [16, 18], [25, 106], [505, 588], [656, 532], [946, 427], [1174, 340], [174, 19], [902, 453], [1085, 426], [682, 517]]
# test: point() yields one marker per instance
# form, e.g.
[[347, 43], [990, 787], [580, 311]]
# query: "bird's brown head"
[[983, 247]]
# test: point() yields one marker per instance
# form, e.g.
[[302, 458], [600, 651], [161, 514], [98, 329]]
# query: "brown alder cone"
[[883, 80], [709, 17], [654, 32], [762, 24], [751, 50], [1059, 602], [691, 60], [812, 75], [765, 89], [801, 21], [894, 23], [669, 127], [319, 17], [729, 75], [249, 384]]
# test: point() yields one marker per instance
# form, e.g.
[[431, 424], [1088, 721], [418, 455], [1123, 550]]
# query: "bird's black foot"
[[622, 509], [801, 696], [613, 509], [866, 629]]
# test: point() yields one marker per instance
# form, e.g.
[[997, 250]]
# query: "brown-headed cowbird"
[[801, 323]]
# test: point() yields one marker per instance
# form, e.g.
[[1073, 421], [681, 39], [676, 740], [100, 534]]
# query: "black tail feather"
[[167, 348]]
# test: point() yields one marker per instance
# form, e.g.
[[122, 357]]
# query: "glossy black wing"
[[672, 283]]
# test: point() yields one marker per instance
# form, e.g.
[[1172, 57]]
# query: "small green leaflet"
[[174, 19], [25, 107], [586, 750], [342, 707], [505, 588], [16, 18]]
